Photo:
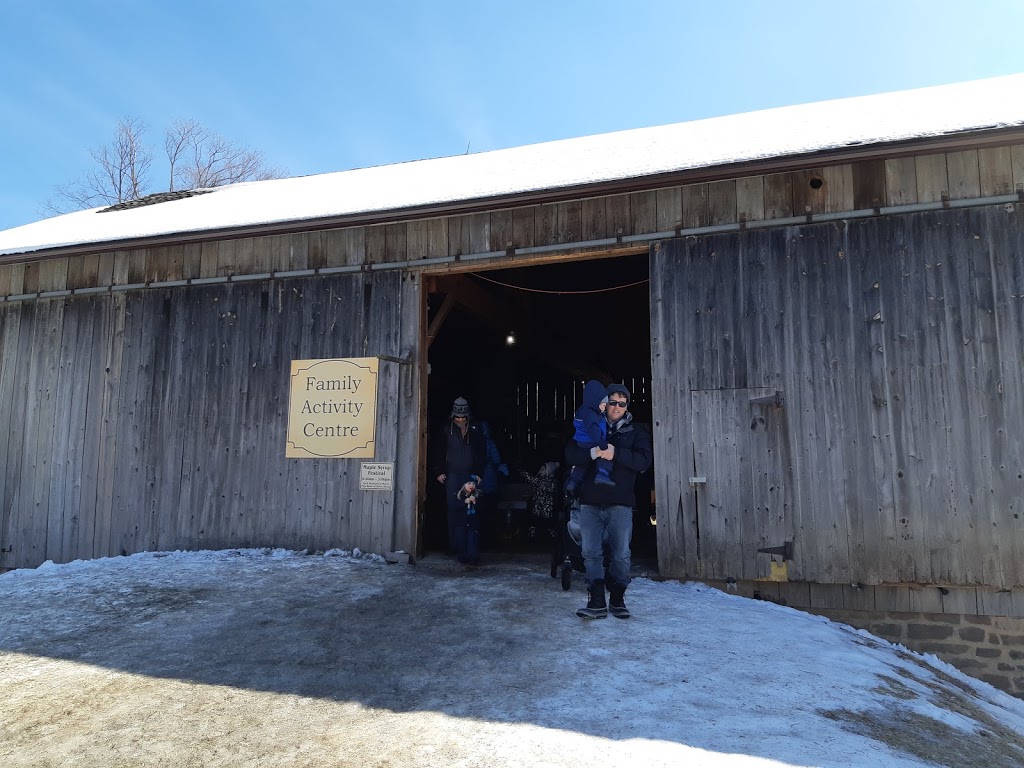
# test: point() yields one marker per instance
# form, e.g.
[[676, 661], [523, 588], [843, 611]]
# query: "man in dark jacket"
[[606, 511], [461, 455]]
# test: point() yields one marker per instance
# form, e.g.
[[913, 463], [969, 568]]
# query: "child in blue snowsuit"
[[591, 432]]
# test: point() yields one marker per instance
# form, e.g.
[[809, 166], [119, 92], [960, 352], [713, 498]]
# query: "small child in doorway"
[[591, 432]]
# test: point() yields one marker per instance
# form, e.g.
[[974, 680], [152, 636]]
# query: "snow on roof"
[[634, 154]]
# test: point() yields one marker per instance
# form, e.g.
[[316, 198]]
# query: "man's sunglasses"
[[617, 403]]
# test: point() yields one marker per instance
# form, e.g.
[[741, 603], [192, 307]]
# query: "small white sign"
[[377, 476]]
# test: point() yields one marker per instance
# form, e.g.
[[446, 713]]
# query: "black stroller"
[[567, 552], [567, 555]]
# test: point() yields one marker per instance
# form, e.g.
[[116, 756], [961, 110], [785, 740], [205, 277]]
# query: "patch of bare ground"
[[911, 732]]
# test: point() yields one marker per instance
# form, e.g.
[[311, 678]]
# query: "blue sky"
[[326, 86]]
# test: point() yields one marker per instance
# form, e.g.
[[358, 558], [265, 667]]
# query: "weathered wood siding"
[[89, 384], [898, 346], [156, 419], [863, 185]]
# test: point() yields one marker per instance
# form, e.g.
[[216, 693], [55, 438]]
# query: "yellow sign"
[[332, 410]]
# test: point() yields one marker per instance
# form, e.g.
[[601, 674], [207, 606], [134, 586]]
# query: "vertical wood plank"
[[546, 225], [276, 256], [69, 417], [995, 170], [155, 260], [670, 209], [17, 278], [316, 256], [838, 187], [114, 323], [750, 198], [297, 250], [523, 226], [428, 239], [868, 184], [105, 269], [43, 533], [227, 262], [643, 207], [901, 181], [778, 196], [595, 218], [500, 229], [136, 266], [396, 237], [479, 233], [53, 275], [12, 415], [280, 253], [695, 205], [344, 247], [128, 469], [671, 342], [30, 277], [458, 235], [569, 221], [173, 267], [376, 244], [252, 256], [810, 194], [932, 181], [81, 493], [76, 278], [722, 202], [964, 175], [619, 216], [192, 259], [1017, 165], [21, 441], [208, 257], [408, 461]]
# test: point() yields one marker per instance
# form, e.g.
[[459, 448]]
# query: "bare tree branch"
[[198, 157], [202, 158], [122, 173], [176, 140]]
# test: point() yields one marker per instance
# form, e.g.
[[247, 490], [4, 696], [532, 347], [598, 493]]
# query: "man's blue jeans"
[[613, 524]]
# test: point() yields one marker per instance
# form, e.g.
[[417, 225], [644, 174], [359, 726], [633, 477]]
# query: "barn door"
[[739, 483]]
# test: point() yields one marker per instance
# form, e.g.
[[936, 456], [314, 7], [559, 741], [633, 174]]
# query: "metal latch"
[[775, 399], [700, 480], [785, 551]]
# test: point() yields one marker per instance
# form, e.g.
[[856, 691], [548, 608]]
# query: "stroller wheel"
[[566, 576]]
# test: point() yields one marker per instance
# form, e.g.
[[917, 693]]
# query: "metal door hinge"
[[785, 551], [777, 399]]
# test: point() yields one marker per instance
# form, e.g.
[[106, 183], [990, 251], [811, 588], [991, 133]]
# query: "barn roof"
[[593, 164]]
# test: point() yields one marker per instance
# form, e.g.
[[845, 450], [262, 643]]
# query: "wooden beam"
[[439, 318]]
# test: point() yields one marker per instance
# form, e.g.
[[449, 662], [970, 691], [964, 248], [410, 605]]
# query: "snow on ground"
[[260, 657]]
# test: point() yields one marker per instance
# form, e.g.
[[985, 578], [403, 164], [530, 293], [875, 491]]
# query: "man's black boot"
[[617, 604], [596, 607]]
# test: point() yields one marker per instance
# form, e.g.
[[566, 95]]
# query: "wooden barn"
[[819, 309]]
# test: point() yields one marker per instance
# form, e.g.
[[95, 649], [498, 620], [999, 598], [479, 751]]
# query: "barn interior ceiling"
[[582, 319]]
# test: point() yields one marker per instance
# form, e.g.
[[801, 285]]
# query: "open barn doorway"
[[519, 345]]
